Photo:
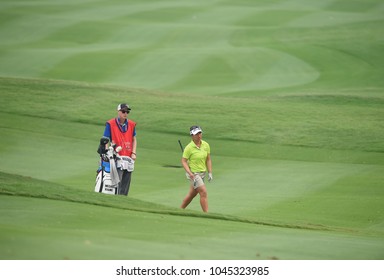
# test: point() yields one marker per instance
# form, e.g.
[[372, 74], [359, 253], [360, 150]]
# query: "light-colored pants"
[[198, 181]]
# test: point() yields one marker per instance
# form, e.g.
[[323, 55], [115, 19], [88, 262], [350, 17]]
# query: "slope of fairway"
[[93, 226], [289, 95]]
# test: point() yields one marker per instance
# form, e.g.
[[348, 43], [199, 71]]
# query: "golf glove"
[[210, 177]]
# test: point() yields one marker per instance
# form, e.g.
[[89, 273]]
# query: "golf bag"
[[107, 178], [103, 180]]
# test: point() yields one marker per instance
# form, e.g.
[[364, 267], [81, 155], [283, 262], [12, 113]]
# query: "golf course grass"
[[289, 95]]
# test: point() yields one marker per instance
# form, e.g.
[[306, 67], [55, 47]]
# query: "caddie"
[[122, 133]]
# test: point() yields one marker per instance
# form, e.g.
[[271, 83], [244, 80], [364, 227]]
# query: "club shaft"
[[181, 146]]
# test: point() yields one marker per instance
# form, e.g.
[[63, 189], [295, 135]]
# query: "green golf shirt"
[[197, 157]]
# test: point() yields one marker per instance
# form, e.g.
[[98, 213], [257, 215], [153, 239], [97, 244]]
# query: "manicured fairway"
[[77, 231], [289, 95]]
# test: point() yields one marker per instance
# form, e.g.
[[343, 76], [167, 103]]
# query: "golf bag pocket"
[[126, 163], [104, 183], [106, 165]]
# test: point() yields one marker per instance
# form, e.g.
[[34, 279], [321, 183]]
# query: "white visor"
[[195, 131]]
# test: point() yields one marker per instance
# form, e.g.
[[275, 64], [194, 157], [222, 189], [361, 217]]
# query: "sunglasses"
[[125, 112]]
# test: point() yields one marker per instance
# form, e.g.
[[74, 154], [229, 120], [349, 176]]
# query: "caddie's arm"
[[134, 146]]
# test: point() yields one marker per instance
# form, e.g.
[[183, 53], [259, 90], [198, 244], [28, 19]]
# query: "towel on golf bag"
[[125, 163], [112, 166], [103, 180]]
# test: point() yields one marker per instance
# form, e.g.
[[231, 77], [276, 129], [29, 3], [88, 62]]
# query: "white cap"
[[123, 106]]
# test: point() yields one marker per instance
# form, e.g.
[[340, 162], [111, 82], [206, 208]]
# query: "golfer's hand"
[[192, 176], [210, 177]]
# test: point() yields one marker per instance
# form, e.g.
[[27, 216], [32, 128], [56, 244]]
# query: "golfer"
[[197, 161], [122, 132]]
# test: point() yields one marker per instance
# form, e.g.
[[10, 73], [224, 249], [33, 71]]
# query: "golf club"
[[181, 146]]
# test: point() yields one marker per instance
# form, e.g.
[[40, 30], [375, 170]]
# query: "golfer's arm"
[[184, 162], [209, 163]]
